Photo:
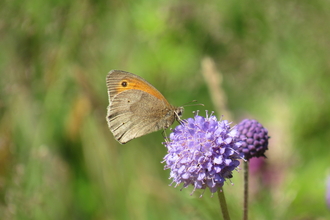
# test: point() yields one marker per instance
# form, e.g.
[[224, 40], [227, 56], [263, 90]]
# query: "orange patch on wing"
[[139, 85]]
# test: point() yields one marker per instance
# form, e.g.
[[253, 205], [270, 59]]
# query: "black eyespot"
[[124, 84]]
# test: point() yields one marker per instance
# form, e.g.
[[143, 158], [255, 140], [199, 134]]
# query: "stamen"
[[202, 194]]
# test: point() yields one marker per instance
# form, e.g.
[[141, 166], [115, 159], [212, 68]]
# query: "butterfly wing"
[[116, 78], [136, 108]]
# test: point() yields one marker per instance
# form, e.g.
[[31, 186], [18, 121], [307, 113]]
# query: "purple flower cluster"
[[254, 138], [202, 152]]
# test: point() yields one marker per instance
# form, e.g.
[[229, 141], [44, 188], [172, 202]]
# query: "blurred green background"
[[58, 159]]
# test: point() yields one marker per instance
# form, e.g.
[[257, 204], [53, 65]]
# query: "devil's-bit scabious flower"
[[254, 138], [202, 152]]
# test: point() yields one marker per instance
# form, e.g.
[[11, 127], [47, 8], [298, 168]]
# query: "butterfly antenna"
[[193, 104], [190, 102]]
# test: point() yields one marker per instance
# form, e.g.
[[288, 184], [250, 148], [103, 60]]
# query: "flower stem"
[[246, 190], [223, 204]]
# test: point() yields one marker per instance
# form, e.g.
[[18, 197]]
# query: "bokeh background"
[[58, 160]]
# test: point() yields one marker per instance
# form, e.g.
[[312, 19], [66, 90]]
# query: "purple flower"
[[254, 138], [202, 152]]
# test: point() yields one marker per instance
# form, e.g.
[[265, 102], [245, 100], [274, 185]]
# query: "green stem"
[[223, 204], [246, 190]]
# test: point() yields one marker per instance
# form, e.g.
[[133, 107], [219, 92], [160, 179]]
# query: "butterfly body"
[[136, 107]]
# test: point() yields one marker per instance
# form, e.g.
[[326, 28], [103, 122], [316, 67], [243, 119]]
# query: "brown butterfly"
[[136, 107]]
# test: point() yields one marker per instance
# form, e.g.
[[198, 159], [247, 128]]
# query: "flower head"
[[254, 138], [202, 152]]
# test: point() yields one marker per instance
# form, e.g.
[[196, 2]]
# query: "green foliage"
[[58, 160]]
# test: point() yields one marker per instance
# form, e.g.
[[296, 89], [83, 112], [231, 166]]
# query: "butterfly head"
[[178, 113]]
